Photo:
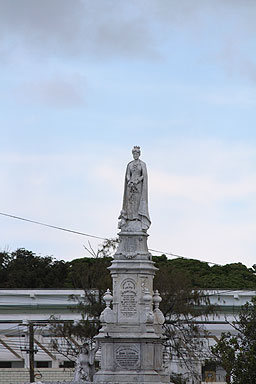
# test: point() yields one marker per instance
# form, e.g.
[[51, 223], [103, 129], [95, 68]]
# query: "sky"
[[82, 82]]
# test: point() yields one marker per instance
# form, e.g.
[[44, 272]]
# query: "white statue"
[[85, 363], [135, 200]]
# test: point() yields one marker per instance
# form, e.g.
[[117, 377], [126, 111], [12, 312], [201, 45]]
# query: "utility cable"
[[98, 237], [53, 226], [183, 257]]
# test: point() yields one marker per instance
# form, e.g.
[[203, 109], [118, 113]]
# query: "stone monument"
[[131, 336]]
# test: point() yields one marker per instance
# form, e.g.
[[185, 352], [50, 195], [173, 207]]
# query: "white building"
[[228, 304], [19, 307]]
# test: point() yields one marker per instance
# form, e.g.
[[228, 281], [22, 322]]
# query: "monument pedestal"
[[131, 360], [131, 335]]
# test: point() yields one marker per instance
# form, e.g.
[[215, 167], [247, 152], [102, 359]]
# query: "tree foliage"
[[237, 352], [92, 275], [202, 275], [25, 269], [182, 305]]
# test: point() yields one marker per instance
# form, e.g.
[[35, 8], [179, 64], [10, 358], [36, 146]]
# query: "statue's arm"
[[143, 171], [141, 177], [128, 173]]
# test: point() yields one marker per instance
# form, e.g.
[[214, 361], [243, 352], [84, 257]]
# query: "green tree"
[[90, 274], [182, 305], [237, 352], [4, 261], [23, 269], [204, 276]]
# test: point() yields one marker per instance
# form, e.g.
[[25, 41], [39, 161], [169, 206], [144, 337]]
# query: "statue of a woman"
[[134, 214], [85, 363]]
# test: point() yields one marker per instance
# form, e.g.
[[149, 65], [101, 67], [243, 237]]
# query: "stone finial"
[[108, 298], [107, 316], [147, 298], [156, 299], [158, 314]]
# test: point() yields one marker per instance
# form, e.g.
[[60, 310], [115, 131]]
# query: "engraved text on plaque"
[[128, 304], [127, 357]]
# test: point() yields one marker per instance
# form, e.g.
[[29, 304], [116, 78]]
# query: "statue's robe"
[[142, 214]]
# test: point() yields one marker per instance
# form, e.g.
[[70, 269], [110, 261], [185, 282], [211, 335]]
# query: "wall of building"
[[21, 375], [18, 307]]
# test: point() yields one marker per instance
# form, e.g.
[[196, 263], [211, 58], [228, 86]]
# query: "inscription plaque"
[[127, 357], [130, 245], [128, 303]]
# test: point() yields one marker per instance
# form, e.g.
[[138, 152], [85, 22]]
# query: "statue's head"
[[136, 152]]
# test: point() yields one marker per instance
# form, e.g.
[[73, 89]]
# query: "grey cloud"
[[57, 92], [134, 28], [75, 27], [40, 25]]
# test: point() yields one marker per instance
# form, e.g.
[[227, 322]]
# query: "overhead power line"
[[52, 226], [182, 257], [98, 237]]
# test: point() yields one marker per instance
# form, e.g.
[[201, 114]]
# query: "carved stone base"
[[131, 360], [133, 245]]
